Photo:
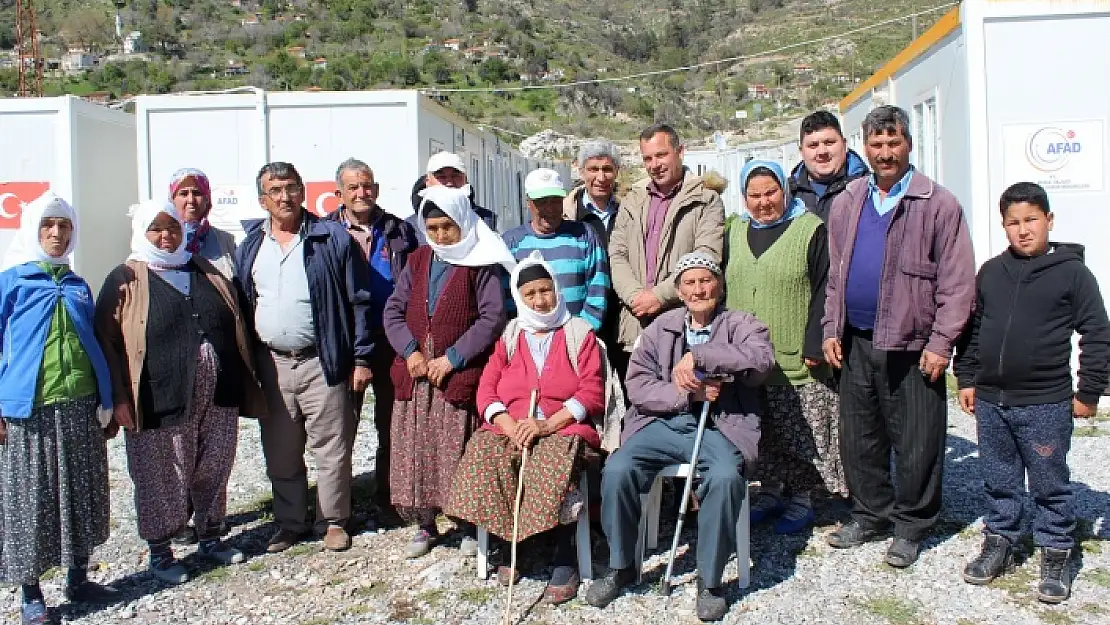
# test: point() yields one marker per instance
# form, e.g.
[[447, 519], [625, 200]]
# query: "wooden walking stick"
[[507, 620]]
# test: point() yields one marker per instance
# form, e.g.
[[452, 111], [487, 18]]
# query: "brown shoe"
[[507, 576], [563, 586], [337, 539], [283, 540]]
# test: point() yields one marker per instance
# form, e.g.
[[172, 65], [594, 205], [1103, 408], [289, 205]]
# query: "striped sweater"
[[579, 260]]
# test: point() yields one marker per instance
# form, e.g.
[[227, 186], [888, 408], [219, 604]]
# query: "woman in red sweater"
[[561, 435]]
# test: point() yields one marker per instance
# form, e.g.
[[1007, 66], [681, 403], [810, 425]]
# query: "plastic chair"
[[649, 525], [585, 558]]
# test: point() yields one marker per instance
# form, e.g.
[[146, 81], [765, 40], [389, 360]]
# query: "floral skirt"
[[485, 484], [799, 443], [427, 438], [54, 501], [189, 463]]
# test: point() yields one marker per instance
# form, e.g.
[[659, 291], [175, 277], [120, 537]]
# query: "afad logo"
[[320, 197], [14, 196], [1050, 149]]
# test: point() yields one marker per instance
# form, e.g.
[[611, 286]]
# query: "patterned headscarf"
[[195, 233]]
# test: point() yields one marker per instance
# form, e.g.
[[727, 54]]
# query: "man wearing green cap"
[[570, 247]]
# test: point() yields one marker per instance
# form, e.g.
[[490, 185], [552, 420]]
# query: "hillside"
[[478, 44]]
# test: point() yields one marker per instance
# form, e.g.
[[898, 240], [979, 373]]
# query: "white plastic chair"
[[585, 558], [649, 525]]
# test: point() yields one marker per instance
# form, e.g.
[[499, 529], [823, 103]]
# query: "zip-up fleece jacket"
[[339, 286], [1017, 349], [801, 186], [927, 286]]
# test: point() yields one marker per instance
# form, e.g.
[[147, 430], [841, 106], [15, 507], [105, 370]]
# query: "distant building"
[[133, 43], [235, 68], [801, 69], [759, 92], [296, 52], [251, 21], [78, 60], [320, 63], [452, 44]]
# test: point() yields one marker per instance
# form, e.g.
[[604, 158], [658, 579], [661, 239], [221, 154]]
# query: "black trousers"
[[382, 387], [887, 404]]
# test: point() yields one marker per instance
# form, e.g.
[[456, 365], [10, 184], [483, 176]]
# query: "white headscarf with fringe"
[[479, 246], [26, 247]]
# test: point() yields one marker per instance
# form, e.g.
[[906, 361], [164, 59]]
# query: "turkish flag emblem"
[[13, 197], [320, 197]]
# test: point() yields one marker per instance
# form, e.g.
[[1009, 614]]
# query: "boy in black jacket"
[[1015, 377]]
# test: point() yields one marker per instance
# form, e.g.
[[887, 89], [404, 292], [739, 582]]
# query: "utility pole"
[[27, 44], [914, 27]]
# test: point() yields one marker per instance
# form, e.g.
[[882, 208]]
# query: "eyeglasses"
[[292, 190]]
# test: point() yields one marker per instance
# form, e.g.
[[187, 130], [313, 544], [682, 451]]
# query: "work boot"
[[853, 535], [603, 591], [995, 558], [902, 552], [1055, 583], [712, 604]]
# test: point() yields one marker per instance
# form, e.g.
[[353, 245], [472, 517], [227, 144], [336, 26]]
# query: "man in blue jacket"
[[309, 290], [827, 166]]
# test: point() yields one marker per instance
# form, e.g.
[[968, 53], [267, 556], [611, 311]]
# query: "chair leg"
[[641, 536], [743, 543], [585, 556], [656, 499], [483, 554]]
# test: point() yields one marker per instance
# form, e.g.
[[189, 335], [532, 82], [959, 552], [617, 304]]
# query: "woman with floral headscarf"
[[179, 355], [191, 194], [53, 378], [443, 318], [776, 268], [561, 435]]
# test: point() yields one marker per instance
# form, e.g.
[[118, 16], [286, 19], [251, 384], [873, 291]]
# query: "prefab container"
[[85, 153], [230, 136], [731, 161], [1002, 91]]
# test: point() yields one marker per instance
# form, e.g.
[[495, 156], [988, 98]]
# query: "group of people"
[[814, 330]]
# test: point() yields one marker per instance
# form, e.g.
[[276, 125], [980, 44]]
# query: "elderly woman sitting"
[[534, 355]]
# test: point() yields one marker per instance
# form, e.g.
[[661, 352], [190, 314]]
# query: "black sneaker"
[[91, 592], [995, 558], [602, 592], [711, 605], [186, 536], [853, 535], [1055, 583], [902, 552]]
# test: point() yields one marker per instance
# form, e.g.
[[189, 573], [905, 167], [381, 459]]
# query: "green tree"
[[435, 67], [495, 71]]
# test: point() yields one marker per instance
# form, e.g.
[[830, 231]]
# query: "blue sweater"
[[865, 272], [28, 297], [578, 258]]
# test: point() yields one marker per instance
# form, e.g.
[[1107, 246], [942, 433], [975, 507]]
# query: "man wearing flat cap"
[[679, 363]]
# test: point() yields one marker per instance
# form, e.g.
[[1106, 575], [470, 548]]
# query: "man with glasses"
[[309, 290]]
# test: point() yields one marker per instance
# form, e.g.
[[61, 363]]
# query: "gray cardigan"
[[739, 344]]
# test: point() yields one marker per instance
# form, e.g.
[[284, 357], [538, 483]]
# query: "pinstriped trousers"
[[887, 405]]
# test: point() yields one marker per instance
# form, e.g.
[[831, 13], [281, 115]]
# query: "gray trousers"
[[630, 471], [304, 410]]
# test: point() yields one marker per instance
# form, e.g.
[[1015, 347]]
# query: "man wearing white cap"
[[570, 247], [448, 169]]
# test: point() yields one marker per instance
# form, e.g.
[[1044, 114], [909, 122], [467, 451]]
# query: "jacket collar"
[[314, 227], [854, 167]]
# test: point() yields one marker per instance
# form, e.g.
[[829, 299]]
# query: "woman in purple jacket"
[[443, 318]]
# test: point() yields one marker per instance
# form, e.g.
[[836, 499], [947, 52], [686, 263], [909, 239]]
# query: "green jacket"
[[66, 373]]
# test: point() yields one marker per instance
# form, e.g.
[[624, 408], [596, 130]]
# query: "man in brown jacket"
[[672, 213]]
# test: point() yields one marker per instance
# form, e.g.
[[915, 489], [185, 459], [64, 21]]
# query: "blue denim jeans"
[[1033, 441]]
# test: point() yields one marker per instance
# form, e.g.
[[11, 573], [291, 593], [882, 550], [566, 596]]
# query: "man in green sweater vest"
[[776, 267]]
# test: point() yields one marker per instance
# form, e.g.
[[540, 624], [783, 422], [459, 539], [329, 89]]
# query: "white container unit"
[[85, 153], [731, 161], [1003, 91], [230, 136]]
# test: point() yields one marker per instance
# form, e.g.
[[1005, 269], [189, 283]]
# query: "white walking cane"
[[507, 620], [665, 587]]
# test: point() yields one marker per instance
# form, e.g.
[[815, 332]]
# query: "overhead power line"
[[686, 68]]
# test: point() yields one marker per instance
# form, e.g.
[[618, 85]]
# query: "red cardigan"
[[511, 383]]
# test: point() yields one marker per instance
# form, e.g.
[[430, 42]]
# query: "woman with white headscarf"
[[776, 268], [179, 356], [54, 501], [443, 318], [535, 353]]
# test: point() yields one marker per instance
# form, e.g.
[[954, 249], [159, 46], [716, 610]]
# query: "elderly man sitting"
[[678, 350]]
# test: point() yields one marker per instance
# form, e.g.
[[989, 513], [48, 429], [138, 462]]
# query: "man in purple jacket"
[[900, 291], [667, 396]]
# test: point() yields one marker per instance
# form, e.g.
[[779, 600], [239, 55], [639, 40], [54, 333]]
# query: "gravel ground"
[[794, 580]]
